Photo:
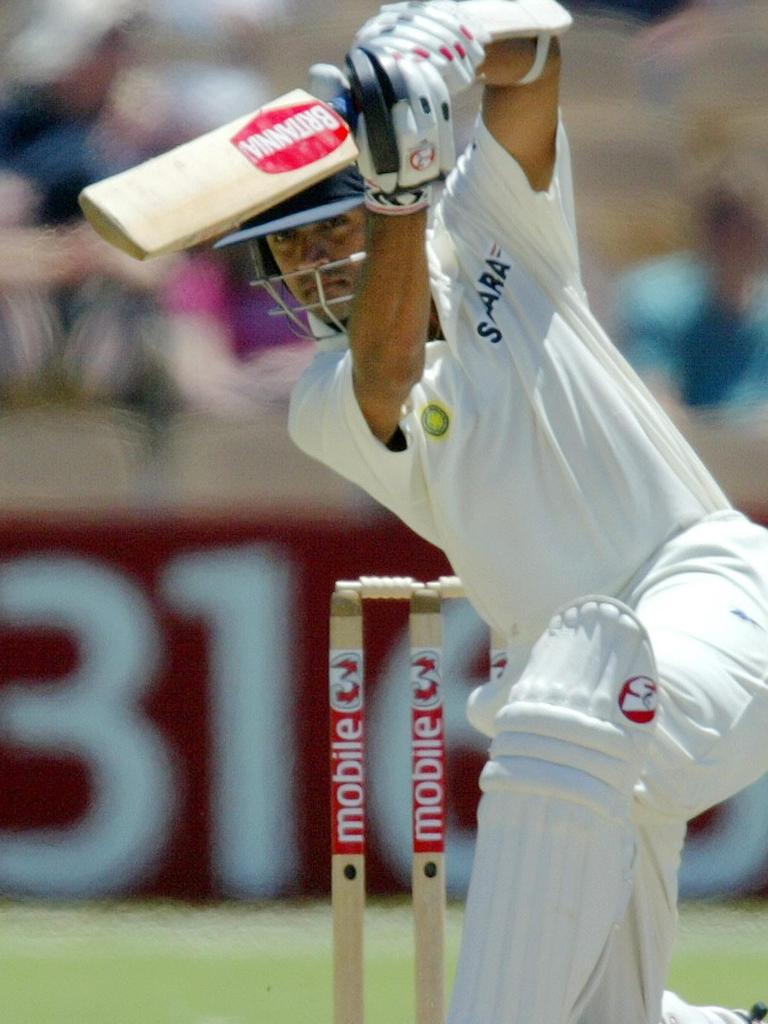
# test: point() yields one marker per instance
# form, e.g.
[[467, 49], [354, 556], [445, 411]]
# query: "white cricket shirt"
[[536, 459]]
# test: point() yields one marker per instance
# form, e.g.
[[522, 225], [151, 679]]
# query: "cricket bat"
[[198, 191]]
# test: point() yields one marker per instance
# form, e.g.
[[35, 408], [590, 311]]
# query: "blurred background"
[[166, 555], [162, 386]]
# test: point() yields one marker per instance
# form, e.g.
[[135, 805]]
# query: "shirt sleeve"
[[489, 194], [326, 422]]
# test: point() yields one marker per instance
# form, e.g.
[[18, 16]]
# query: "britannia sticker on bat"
[[289, 138]]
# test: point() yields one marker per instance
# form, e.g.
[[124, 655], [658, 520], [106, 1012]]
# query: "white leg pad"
[[553, 863]]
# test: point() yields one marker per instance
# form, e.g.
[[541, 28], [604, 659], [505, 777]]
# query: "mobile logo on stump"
[[347, 752], [345, 682], [428, 761], [426, 679]]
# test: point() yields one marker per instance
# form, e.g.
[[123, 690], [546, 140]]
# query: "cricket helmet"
[[329, 198]]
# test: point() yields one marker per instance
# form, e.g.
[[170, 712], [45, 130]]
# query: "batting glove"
[[403, 129], [437, 33]]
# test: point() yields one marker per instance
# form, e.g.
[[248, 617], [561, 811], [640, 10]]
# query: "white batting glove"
[[420, 122], [423, 129], [437, 33], [330, 84], [414, 111]]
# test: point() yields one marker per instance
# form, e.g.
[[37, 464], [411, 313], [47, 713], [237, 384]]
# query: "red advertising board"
[[164, 712]]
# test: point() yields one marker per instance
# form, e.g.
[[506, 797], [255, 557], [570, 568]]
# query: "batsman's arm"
[[390, 319], [523, 118]]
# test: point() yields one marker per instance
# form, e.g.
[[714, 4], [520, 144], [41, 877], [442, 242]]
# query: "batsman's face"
[[302, 251]]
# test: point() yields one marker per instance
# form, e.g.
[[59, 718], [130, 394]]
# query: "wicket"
[[428, 788]]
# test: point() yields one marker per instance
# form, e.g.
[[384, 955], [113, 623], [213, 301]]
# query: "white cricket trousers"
[[705, 605], [703, 600]]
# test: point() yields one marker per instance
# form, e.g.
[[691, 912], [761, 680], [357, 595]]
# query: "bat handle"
[[344, 106]]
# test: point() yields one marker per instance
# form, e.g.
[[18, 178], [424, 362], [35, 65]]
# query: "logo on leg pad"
[[638, 700]]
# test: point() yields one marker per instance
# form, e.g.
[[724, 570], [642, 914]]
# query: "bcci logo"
[[435, 420], [346, 682], [425, 678], [638, 700]]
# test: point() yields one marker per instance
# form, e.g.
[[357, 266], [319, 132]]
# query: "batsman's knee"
[[578, 722]]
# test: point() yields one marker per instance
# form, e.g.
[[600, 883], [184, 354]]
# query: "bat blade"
[[205, 187], [210, 185]]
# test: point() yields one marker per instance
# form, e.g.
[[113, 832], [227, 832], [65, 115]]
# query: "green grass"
[[722, 954], [239, 965]]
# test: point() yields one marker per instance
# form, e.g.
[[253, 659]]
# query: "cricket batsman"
[[462, 380]]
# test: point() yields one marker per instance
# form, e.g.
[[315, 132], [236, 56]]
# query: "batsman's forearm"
[[390, 318], [508, 61], [524, 118]]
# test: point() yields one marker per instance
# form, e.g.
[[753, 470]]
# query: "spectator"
[[227, 354], [695, 324], [63, 71], [77, 319], [218, 19]]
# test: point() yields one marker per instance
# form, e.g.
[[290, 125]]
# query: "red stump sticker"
[[347, 752], [638, 699], [428, 760], [289, 138]]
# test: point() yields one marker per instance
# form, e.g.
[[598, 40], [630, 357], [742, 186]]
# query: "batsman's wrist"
[[397, 204]]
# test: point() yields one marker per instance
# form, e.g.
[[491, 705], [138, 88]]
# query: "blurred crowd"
[[666, 102]]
